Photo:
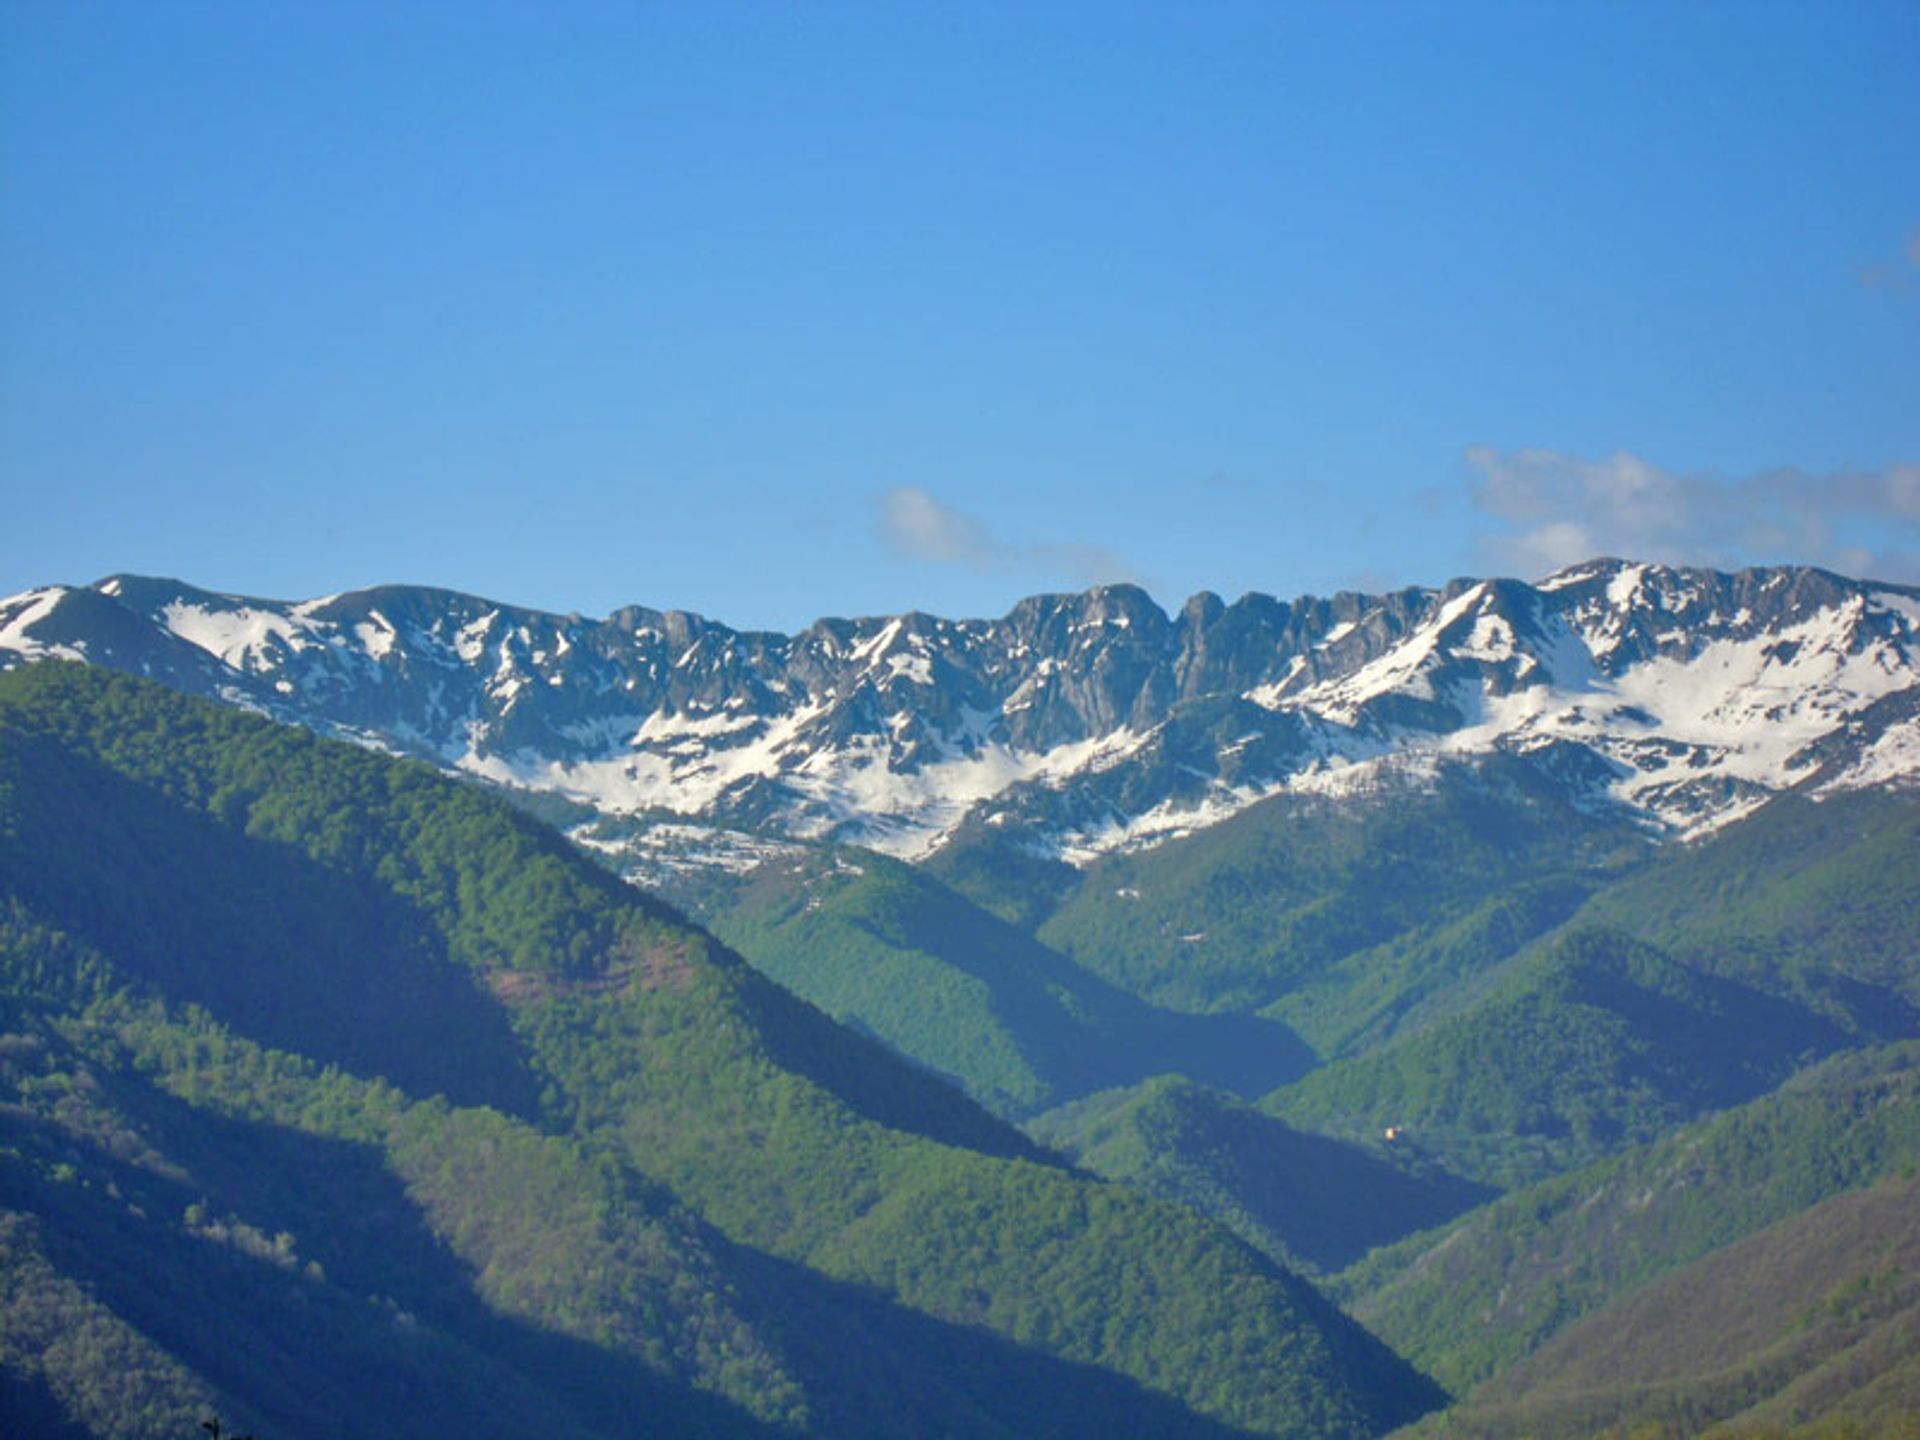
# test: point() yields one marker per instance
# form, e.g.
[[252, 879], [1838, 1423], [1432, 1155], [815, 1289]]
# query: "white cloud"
[[1554, 510], [916, 525]]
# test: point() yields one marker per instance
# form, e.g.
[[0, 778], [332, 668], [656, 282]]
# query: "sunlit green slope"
[[1472, 1297], [346, 1091]]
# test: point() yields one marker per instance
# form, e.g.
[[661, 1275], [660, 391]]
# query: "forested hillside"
[[1470, 1298], [1308, 1200], [1018, 1025], [338, 1089], [1811, 1319]]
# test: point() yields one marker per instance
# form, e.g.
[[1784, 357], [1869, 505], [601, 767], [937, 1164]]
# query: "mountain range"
[[1502, 958], [1087, 723]]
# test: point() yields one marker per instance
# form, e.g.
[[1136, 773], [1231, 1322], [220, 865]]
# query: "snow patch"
[[1624, 589], [1893, 757], [470, 640], [243, 638], [21, 613], [917, 668], [376, 635]]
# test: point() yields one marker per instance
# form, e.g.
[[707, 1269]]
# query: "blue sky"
[[780, 310]]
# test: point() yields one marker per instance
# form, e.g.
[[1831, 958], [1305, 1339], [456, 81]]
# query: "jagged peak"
[[1202, 608], [1809, 584]]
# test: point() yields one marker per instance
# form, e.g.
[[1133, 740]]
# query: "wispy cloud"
[[1554, 510], [917, 526], [1900, 274]]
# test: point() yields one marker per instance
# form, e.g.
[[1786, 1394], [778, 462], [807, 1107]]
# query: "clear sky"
[[779, 310]]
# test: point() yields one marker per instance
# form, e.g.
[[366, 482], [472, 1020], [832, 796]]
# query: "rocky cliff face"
[[1085, 721]]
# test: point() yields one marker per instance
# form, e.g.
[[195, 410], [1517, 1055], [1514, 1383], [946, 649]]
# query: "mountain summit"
[[1086, 723]]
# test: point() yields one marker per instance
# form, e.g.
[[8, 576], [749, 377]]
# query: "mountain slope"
[[780, 1227], [1819, 903], [1303, 1199], [1813, 1318], [1594, 1042], [1469, 1299], [1688, 984], [1430, 970], [1249, 911], [1019, 1026]]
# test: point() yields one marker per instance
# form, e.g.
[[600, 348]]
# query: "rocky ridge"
[[1088, 722]]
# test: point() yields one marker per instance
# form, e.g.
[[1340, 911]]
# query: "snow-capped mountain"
[[1087, 721]]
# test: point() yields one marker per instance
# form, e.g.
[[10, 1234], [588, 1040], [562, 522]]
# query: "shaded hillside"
[[1304, 1199], [1813, 1318], [771, 1222], [1427, 972], [1591, 1043], [1469, 1299], [277, 1239], [1819, 902], [892, 950]]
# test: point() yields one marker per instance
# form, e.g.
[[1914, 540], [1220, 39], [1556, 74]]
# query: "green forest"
[[339, 1097], [333, 1078]]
